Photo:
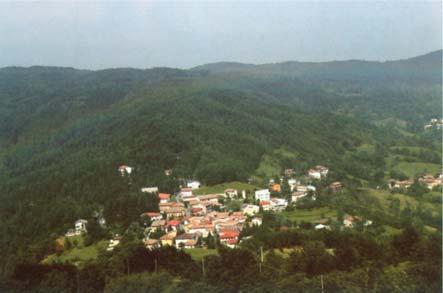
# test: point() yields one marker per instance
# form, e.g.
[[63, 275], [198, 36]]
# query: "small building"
[[250, 209], [125, 170], [153, 189], [80, 226], [276, 187], [262, 194], [164, 197], [296, 195], [229, 237], [194, 184], [180, 240], [168, 172], [292, 183], [321, 227], [256, 221], [153, 216], [314, 174], [173, 225], [151, 243], [168, 239], [230, 192], [289, 172], [158, 225], [336, 186], [186, 192]]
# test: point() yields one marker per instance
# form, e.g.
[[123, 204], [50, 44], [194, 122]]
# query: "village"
[[189, 219]]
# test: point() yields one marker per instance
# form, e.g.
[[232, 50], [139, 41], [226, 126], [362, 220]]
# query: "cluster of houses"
[[298, 190], [434, 123], [428, 180], [186, 219]]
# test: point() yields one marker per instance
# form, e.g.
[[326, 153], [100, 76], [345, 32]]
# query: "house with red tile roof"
[[164, 197]]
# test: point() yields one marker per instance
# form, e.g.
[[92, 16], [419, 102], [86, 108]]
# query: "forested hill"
[[425, 68], [64, 132]]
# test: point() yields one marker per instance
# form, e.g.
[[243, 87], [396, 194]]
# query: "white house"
[[292, 183], [311, 188], [256, 221], [123, 169], [298, 195], [80, 226], [315, 174], [186, 192], [250, 209], [262, 194], [153, 189], [230, 192], [193, 184], [321, 226]]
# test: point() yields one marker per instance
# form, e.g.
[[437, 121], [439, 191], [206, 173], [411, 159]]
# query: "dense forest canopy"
[[64, 132]]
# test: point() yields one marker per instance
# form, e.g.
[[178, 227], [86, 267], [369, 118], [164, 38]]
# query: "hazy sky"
[[97, 35]]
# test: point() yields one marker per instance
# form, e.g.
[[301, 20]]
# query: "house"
[[80, 226], [149, 189], [302, 188], [318, 172], [323, 170], [266, 205], [289, 172], [114, 242], [256, 221], [152, 243], [392, 183], [321, 227], [250, 209], [276, 187], [168, 239], [336, 186], [262, 194], [229, 237], [186, 192], [158, 225], [168, 205], [164, 197], [123, 169], [209, 197], [230, 192], [194, 184], [182, 239], [173, 225], [292, 183], [314, 174], [175, 212], [350, 221], [429, 181], [153, 216], [278, 204], [200, 229], [168, 172], [298, 195]]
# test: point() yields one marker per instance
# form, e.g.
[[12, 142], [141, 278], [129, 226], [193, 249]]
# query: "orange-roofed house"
[[164, 197], [276, 187]]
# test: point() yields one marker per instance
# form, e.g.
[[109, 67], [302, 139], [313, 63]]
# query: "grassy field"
[[384, 195], [312, 215], [416, 168], [220, 188], [79, 253], [198, 253]]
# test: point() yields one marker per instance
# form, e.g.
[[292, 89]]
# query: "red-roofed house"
[[173, 225], [229, 237], [164, 197]]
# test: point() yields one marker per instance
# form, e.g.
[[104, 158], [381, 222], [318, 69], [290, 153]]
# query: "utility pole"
[[203, 267], [261, 258], [322, 286]]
